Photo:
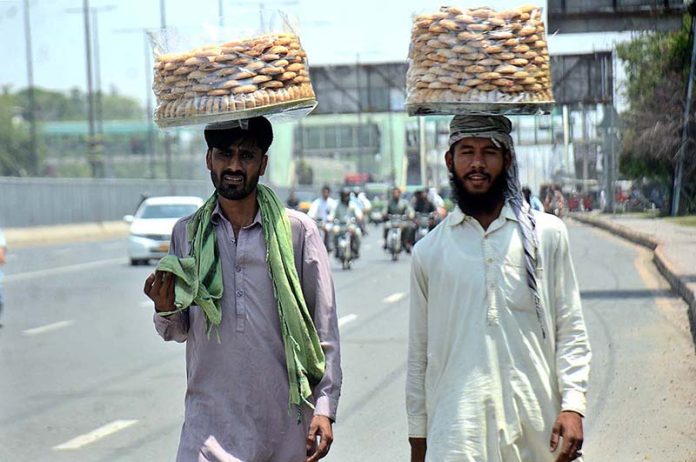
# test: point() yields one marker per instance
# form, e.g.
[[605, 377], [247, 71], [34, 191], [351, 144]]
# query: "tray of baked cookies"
[[264, 74], [479, 60]]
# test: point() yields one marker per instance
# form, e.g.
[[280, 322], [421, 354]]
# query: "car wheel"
[[137, 262]]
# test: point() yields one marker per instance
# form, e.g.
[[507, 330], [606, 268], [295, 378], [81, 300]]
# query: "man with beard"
[[498, 351], [248, 288]]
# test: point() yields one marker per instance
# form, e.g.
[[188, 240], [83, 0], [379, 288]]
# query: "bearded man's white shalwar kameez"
[[483, 383]]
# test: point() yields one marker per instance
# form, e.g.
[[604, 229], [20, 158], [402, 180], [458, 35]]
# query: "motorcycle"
[[325, 233], [423, 222], [344, 230], [394, 225]]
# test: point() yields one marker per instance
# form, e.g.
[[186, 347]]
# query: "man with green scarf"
[[248, 288]]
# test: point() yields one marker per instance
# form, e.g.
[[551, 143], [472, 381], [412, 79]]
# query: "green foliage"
[[657, 67], [14, 139], [57, 106], [15, 146]]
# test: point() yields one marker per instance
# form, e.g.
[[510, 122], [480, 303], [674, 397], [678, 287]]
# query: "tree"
[[657, 66], [14, 138]]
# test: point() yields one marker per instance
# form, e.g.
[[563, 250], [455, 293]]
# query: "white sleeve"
[[417, 351], [572, 345], [313, 210]]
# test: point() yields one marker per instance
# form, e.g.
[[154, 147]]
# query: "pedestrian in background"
[[248, 288], [3, 257], [533, 201], [498, 357], [292, 201]]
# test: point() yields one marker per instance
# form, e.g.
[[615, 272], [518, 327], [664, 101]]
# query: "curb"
[[636, 237], [661, 261], [63, 234]]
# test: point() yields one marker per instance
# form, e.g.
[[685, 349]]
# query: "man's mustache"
[[231, 173], [484, 174]]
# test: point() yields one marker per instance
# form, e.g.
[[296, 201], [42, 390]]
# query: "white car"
[[151, 226]]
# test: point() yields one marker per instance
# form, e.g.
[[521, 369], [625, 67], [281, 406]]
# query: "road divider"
[[80, 232], [47, 328], [95, 435]]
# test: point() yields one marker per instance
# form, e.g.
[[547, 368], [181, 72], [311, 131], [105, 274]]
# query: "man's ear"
[[209, 159], [507, 156], [449, 161], [264, 164]]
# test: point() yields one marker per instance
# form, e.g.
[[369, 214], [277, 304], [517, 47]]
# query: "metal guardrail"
[[51, 201], [26, 202]]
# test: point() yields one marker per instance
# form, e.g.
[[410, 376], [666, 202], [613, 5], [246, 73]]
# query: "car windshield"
[[155, 211]]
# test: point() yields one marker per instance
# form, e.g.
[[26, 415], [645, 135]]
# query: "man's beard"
[[234, 192], [477, 204]]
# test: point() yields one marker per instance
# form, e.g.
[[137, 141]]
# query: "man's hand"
[[159, 286], [418, 448], [569, 427], [320, 429]]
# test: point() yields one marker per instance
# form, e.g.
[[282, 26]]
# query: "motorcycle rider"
[[422, 205], [320, 211], [399, 206], [344, 212]]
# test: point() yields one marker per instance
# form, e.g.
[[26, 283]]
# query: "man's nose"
[[478, 160], [234, 162]]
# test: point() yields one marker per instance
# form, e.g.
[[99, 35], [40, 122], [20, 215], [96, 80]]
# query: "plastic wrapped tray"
[[237, 79], [479, 61]]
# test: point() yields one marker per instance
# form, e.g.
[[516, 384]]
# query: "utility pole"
[[92, 155], [98, 96], [167, 137], [94, 106], [221, 14], [359, 130], [149, 111], [33, 151]]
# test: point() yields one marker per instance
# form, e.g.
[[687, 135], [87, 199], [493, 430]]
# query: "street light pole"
[[148, 98], [99, 109], [91, 154], [167, 137], [33, 154]]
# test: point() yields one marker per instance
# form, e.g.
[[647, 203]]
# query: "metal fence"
[[51, 201], [26, 202]]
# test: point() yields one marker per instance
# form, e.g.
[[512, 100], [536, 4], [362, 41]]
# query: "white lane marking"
[[48, 328], [95, 435], [62, 269], [393, 298], [146, 304], [346, 319]]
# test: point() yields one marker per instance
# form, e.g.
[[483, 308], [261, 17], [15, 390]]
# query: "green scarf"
[[199, 282]]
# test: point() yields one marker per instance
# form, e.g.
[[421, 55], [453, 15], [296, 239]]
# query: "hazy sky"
[[331, 32]]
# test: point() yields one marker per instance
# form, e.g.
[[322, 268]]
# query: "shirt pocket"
[[518, 294]]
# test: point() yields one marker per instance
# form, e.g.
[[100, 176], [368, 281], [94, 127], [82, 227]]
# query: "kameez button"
[[238, 268], [240, 293]]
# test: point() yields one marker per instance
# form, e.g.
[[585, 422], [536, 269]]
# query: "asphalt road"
[[84, 377]]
